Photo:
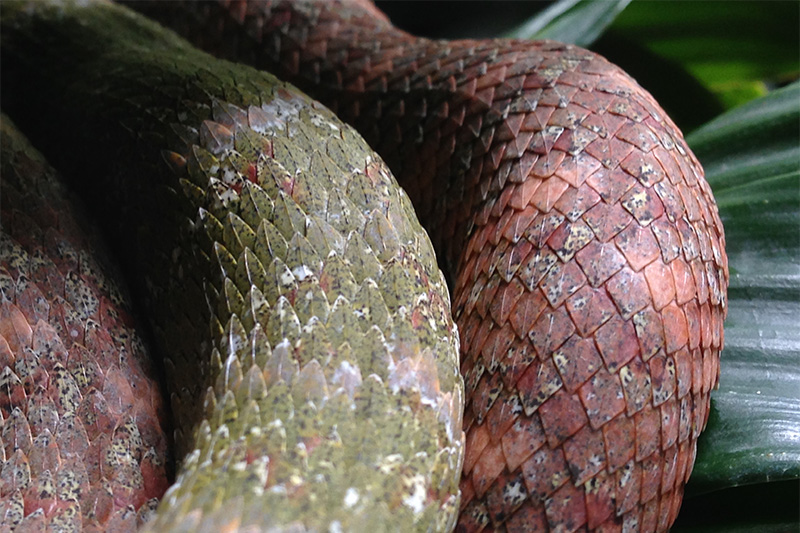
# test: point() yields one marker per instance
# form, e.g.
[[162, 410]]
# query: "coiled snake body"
[[84, 423], [584, 246]]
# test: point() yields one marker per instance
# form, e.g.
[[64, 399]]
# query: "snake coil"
[[310, 354], [583, 244]]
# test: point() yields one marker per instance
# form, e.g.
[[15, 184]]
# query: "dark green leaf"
[[769, 125], [752, 160], [732, 47], [571, 21], [762, 508]]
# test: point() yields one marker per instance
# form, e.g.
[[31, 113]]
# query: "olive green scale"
[[305, 328]]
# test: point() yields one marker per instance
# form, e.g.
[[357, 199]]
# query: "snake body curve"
[[310, 353], [585, 247], [84, 426]]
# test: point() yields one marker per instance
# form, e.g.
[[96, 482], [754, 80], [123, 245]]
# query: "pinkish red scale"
[[586, 251], [64, 395]]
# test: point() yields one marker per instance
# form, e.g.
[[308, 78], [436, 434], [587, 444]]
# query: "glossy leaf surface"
[[737, 49], [571, 21], [752, 160]]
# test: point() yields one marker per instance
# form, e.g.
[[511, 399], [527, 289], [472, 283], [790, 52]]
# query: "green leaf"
[[571, 21], [732, 47], [761, 508], [752, 160], [768, 125]]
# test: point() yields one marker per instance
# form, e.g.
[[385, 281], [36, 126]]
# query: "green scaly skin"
[[305, 327]]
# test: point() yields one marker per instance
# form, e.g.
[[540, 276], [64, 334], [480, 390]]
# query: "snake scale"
[[309, 349], [84, 423], [583, 245]]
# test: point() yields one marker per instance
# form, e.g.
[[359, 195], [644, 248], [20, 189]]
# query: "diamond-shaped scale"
[[569, 213]]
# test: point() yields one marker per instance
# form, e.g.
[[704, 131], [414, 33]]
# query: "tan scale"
[[584, 245], [306, 332]]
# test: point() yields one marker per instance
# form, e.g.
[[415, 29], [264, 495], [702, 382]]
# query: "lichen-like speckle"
[[267, 241]]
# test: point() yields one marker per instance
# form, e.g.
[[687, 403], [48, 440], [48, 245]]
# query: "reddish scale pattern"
[[83, 442], [585, 247]]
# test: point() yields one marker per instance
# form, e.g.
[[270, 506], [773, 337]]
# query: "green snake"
[[305, 330]]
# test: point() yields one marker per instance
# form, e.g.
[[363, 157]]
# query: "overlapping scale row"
[[335, 399], [586, 248], [83, 436], [306, 330]]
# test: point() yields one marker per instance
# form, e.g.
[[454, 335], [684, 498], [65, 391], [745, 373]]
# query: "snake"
[[84, 423], [582, 244]]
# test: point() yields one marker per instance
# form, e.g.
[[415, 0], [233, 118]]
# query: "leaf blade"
[[752, 161], [577, 22], [731, 47]]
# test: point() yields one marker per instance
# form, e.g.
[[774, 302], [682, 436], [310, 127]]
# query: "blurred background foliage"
[[726, 72], [697, 58]]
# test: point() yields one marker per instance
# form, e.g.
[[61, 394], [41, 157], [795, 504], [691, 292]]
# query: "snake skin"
[[585, 247], [310, 353], [83, 442]]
